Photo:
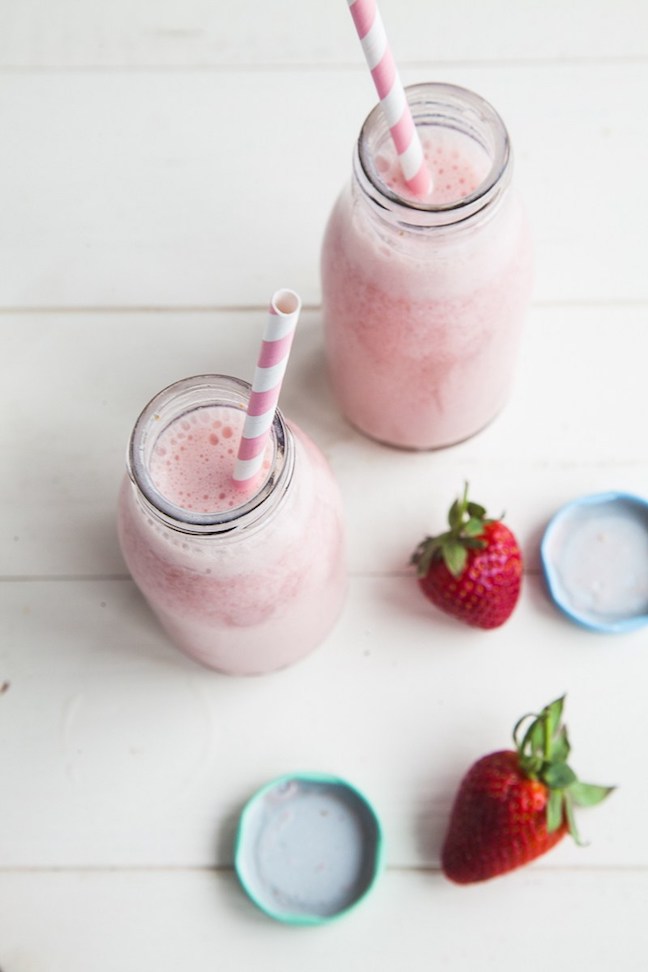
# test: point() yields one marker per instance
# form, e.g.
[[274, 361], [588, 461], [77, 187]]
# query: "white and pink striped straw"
[[279, 331], [371, 31]]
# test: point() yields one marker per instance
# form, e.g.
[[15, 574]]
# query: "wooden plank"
[[209, 189], [190, 33], [126, 754], [72, 386], [69, 922]]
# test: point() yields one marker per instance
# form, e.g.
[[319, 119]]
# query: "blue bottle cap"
[[309, 847], [595, 561]]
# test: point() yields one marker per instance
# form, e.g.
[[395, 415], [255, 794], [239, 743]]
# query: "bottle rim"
[[452, 106], [180, 398]]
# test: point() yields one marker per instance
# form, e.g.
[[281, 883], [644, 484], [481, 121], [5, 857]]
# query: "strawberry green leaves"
[[588, 794], [554, 811], [467, 521], [543, 751], [455, 556]]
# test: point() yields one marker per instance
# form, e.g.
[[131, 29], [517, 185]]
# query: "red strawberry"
[[474, 570], [513, 806]]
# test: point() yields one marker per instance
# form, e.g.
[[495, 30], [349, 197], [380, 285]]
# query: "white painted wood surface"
[[164, 168]]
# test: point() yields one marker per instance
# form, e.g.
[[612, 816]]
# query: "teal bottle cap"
[[594, 556], [308, 849]]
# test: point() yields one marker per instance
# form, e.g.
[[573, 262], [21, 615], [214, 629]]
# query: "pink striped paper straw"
[[371, 31], [271, 366]]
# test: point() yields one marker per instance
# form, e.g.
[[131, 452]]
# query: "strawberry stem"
[[467, 522], [543, 753]]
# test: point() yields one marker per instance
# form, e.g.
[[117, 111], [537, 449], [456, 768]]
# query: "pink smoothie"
[[422, 326], [254, 598], [457, 167], [193, 460]]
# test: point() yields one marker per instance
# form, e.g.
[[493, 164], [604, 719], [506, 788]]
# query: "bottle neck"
[[469, 128], [182, 399]]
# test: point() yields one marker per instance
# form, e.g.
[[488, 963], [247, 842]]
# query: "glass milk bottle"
[[243, 584], [423, 300]]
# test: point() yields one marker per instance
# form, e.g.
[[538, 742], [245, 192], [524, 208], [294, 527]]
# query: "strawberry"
[[513, 806], [474, 570]]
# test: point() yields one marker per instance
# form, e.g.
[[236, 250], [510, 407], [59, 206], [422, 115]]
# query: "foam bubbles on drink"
[[193, 460], [456, 162]]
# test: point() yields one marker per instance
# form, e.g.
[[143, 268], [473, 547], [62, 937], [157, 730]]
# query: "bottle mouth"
[[437, 106], [182, 398]]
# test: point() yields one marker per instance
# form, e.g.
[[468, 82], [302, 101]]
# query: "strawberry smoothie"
[[193, 459], [423, 300], [243, 582]]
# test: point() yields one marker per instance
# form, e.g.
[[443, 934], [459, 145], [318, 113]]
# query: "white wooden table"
[[164, 166]]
